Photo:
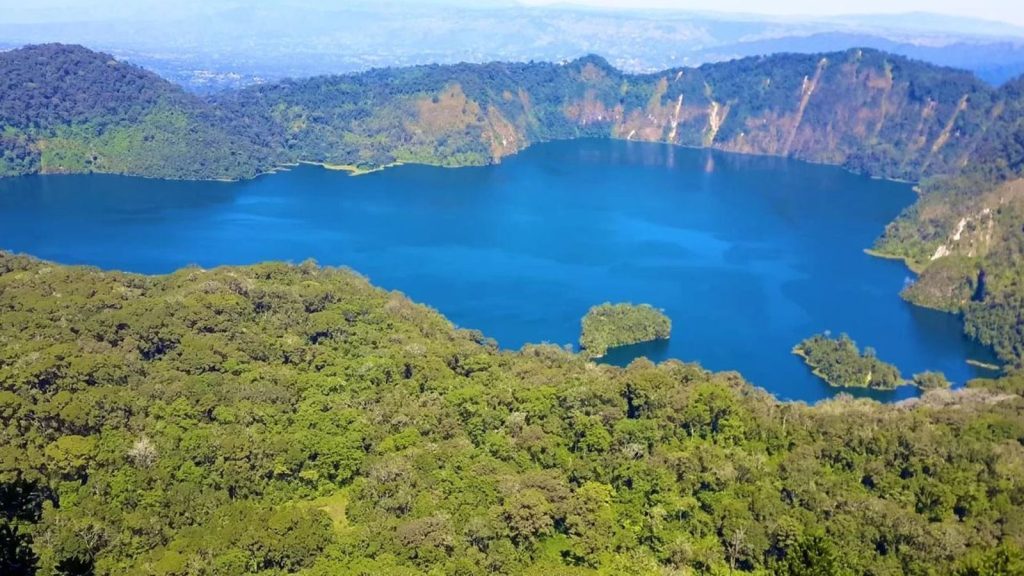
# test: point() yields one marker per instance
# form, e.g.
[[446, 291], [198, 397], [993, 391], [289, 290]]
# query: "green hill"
[[69, 109], [966, 235]]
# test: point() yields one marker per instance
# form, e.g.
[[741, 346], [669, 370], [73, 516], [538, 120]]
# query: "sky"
[[1008, 11]]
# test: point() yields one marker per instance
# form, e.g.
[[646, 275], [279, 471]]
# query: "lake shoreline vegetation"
[[352, 169], [931, 380], [841, 364], [608, 325], [878, 110], [912, 266], [293, 419]]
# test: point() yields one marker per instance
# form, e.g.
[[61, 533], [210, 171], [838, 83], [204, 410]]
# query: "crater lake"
[[747, 255]]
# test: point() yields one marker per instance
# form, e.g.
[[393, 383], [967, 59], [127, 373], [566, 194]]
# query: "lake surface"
[[747, 255]]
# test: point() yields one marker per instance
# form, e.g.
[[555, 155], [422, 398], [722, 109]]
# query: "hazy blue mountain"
[[995, 62], [225, 43]]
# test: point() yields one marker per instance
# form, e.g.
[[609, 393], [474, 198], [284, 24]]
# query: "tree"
[[813, 556]]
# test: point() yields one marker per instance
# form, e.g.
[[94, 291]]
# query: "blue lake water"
[[747, 255]]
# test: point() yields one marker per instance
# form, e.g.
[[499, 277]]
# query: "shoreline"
[[984, 365], [352, 169], [355, 170], [583, 351], [886, 256], [578, 352]]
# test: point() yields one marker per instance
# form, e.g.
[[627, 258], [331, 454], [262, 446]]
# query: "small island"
[[840, 363], [931, 381], [611, 325]]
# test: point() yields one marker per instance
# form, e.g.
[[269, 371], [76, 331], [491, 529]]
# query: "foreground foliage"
[[280, 419], [609, 325], [840, 363]]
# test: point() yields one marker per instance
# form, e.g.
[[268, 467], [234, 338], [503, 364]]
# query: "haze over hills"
[[208, 46]]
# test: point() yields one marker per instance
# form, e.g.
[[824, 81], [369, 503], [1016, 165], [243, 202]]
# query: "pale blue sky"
[[1008, 11]]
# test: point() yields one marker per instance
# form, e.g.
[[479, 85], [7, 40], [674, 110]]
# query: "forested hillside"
[[65, 108], [966, 235], [862, 109], [282, 419], [68, 109]]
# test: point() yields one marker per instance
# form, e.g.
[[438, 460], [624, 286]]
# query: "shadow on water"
[[933, 324], [655, 351]]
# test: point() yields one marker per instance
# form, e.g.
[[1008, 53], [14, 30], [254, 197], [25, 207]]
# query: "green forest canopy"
[[839, 362], [279, 419], [609, 325]]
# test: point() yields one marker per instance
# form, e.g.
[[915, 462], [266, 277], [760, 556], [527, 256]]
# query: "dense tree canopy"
[[930, 380], [609, 325], [839, 362], [68, 109], [282, 419]]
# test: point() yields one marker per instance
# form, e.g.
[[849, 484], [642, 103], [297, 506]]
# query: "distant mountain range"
[[993, 61]]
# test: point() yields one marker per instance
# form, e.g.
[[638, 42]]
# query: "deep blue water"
[[747, 255]]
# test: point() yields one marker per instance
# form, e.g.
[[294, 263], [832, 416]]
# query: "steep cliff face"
[[70, 109], [865, 110]]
